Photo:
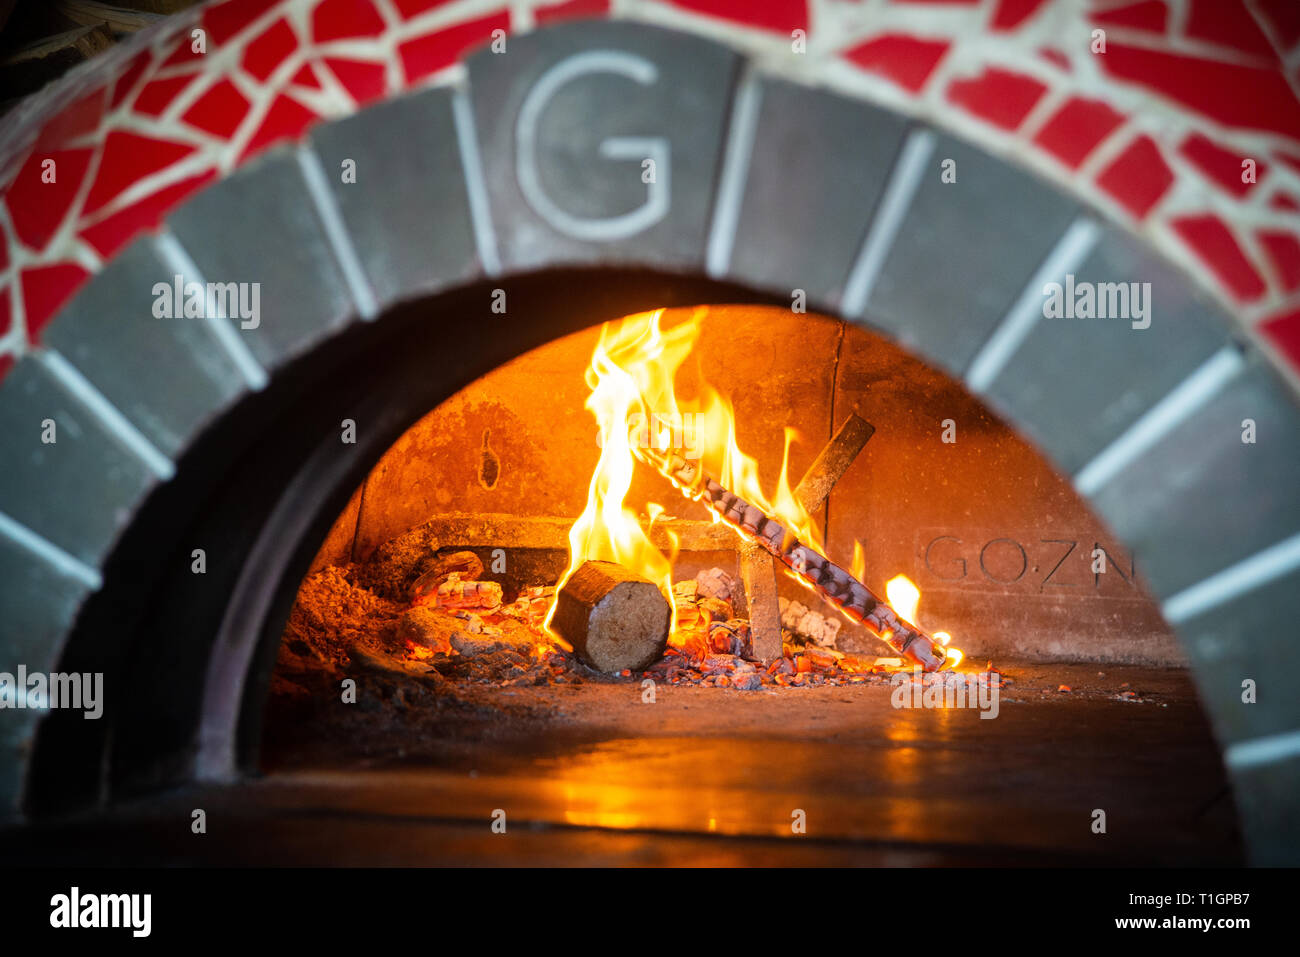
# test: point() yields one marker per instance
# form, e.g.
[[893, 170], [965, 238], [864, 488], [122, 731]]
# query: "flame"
[[905, 598], [634, 400]]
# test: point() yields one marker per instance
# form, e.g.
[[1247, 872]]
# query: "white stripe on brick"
[[177, 258], [480, 213], [1235, 580], [735, 173], [1066, 256], [336, 233], [1266, 750], [122, 428], [903, 182], [1186, 398], [50, 553]]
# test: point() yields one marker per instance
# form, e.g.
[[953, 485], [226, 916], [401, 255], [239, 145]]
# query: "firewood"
[[829, 580], [613, 618]]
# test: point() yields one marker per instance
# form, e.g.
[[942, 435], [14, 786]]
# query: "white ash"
[[809, 625]]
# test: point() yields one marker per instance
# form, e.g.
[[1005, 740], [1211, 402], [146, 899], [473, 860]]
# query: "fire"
[[635, 403], [905, 598]]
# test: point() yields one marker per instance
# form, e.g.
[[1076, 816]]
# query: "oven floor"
[[590, 775]]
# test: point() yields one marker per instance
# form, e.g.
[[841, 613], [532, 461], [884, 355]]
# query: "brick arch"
[[775, 186]]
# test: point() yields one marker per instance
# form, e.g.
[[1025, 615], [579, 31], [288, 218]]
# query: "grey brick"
[[407, 213], [1199, 499], [1102, 374], [78, 492], [964, 253], [682, 96], [168, 376], [1249, 637], [260, 225], [819, 165]]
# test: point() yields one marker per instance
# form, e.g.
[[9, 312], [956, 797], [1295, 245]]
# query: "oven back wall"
[[1007, 556]]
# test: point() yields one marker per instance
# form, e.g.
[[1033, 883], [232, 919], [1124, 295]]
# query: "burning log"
[[829, 580], [613, 619], [756, 569]]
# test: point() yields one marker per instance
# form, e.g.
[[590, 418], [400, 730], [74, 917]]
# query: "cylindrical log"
[[614, 619]]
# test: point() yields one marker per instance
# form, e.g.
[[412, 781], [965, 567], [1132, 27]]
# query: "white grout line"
[[1266, 750], [336, 233], [122, 428], [1185, 399], [479, 211], [1067, 255], [902, 186], [1235, 580], [735, 173], [50, 553], [177, 258]]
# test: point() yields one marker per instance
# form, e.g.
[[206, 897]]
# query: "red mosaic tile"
[[113, 232], [342, 19], [6, 363], [270, 49], [780, 16], [363, 81], [1151, 15], [79, 118], [224, 21], [1284, 17], [1215, 245], [4, 251], [128, 158], [1056, 58], [6, 313], [998, 96], [1012, 13], [1076, 129], [125, 83], [1284, 201], [1292, 161], [571, 10], [287, 119], [1283, 251], [413, 8], [1138, 177], [157, 95], [45, 289], [184, 52], [306, 78], [1284, 332], [1228, 23], [1222, 166], [37, 208], [219, 111], [428, 54], [1228, 93], [906, 60]]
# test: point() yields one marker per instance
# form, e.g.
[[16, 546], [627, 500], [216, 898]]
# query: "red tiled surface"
[[428, 54], [343, 19], [1218, 249], [46, 288], [1223, 166], [906, 60], [37, 207], [1002, 97], [780, 16], [1206, 87], [1076, 128], [1138, 177], [219, 111], [1152, 15]]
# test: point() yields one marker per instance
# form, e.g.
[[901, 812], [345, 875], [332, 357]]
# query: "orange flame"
[[904, 597]]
